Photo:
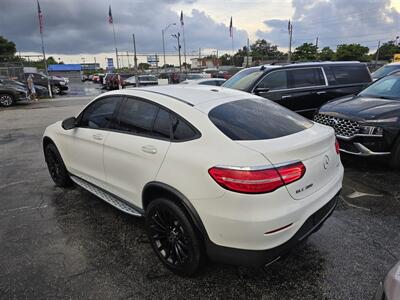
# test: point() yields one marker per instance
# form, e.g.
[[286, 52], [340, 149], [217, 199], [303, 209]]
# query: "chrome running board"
[[107, 197]]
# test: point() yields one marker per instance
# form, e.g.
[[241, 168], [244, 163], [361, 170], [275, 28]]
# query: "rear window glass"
[[256, 119], [347, 74], [306, 77]]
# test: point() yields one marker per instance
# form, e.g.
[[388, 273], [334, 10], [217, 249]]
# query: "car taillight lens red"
[[257, 181], [337, 146]]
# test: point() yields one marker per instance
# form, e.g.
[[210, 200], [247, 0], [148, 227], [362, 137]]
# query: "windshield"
[[388, 87], [383, 71], [194, 76], [243, 79]]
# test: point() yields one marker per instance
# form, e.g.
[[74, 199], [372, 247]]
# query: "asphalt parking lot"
[[69, 244]]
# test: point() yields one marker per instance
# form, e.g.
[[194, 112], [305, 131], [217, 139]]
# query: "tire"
[[395, 156], [56, 89], [6, 100], [174, 238], [56, 167]]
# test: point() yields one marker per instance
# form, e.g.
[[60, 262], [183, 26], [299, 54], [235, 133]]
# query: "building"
[[70, 71], [205, 62], [90, 66]]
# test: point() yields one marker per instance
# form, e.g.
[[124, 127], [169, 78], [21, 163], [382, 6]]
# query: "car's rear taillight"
[[257, 181], [337, 146]]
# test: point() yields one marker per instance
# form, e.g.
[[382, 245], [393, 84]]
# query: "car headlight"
[[388, 120], [62, 83], [371, 130]]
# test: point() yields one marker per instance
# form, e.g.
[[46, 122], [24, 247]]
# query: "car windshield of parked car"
[[256, 119], [194, 76], [243, 79], [385, 70], [388, 87]]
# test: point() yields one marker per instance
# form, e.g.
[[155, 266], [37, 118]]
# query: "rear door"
[[135, 149]]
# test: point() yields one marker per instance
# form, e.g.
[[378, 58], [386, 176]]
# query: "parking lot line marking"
[[352, 205], [357, 194]]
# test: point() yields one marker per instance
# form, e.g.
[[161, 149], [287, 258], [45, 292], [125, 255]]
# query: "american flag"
[[230, 29], [182, 18], [110, 18], [40, 15]]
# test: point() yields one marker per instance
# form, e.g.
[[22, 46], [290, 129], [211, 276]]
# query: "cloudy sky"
[[77, 29]]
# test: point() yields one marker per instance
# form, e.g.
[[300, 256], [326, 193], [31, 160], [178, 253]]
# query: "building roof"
[[64, 67]]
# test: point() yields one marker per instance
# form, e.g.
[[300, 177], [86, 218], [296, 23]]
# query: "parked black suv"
[[10, 93], [367, 124], [302, 87], [58, 85]]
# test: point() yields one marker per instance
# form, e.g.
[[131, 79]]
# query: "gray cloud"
[[336, 22], [81, 26]]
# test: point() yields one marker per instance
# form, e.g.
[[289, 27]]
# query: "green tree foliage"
[[225, 59], [326, 54], [143, 66], [388, 50], [263, 50], [352, 52], [305, 52], [7, 49]]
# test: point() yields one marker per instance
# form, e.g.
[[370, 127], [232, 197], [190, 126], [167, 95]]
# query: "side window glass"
[[306, 77], [162, 124], [181, 130], [276, 80], [136, 116], [99, 114], [350, 74]]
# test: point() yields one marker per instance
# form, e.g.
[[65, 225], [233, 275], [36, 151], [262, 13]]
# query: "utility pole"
[[157, 63], [135, 61], [127, 55], [377, 54], [217, 61], [290, 29], [177, 36], [316, 47]]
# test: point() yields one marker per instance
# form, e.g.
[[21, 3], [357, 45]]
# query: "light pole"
[[163, 39], [177, 36]]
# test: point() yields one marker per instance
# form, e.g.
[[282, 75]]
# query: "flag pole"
[[184, 41], [115, 45], [40, 15]]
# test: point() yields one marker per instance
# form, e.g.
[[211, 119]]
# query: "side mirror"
[[69, 123], [260, 90]]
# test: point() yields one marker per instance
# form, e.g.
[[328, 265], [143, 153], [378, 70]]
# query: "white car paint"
[[118, 164]]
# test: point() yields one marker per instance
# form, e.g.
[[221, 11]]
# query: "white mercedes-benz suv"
[[216, 172]]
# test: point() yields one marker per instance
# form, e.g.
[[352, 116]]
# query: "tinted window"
[[181, 130], [244, 79], [136, 116], [306, 77], [385, 70], [276, 80], [254, 119], [388, 87], [99, 114], [349, 74], [162, 124]]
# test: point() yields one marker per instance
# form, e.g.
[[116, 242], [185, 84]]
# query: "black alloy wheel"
[[173, 237], [6, 100], [56, 167], [56, 90]]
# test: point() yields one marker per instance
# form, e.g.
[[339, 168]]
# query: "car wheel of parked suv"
[[395, 156], [173, 237], [56, 167], [6, 100]]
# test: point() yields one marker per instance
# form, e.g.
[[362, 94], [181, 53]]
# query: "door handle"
[[321, 92], [149, 149], [286, 96], [97, 136]]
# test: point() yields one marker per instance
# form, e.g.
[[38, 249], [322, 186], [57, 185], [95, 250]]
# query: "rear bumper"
[[257, 258]]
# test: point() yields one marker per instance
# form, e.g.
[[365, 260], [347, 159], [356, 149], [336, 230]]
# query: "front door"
[[85, 157]]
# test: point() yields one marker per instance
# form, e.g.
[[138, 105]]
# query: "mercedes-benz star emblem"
[[325, 162]]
